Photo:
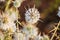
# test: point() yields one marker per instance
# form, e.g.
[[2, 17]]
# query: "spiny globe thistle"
[[32, 15]]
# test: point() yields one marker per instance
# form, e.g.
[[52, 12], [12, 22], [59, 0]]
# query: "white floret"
[[30, 31], [32, 15]]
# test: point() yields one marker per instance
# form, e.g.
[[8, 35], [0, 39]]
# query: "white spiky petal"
[[32, 15]]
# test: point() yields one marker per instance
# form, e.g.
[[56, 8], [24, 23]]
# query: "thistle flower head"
[[32, 15], [7, 20]]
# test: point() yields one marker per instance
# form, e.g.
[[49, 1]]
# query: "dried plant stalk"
[[55, 31], [7, 5]]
